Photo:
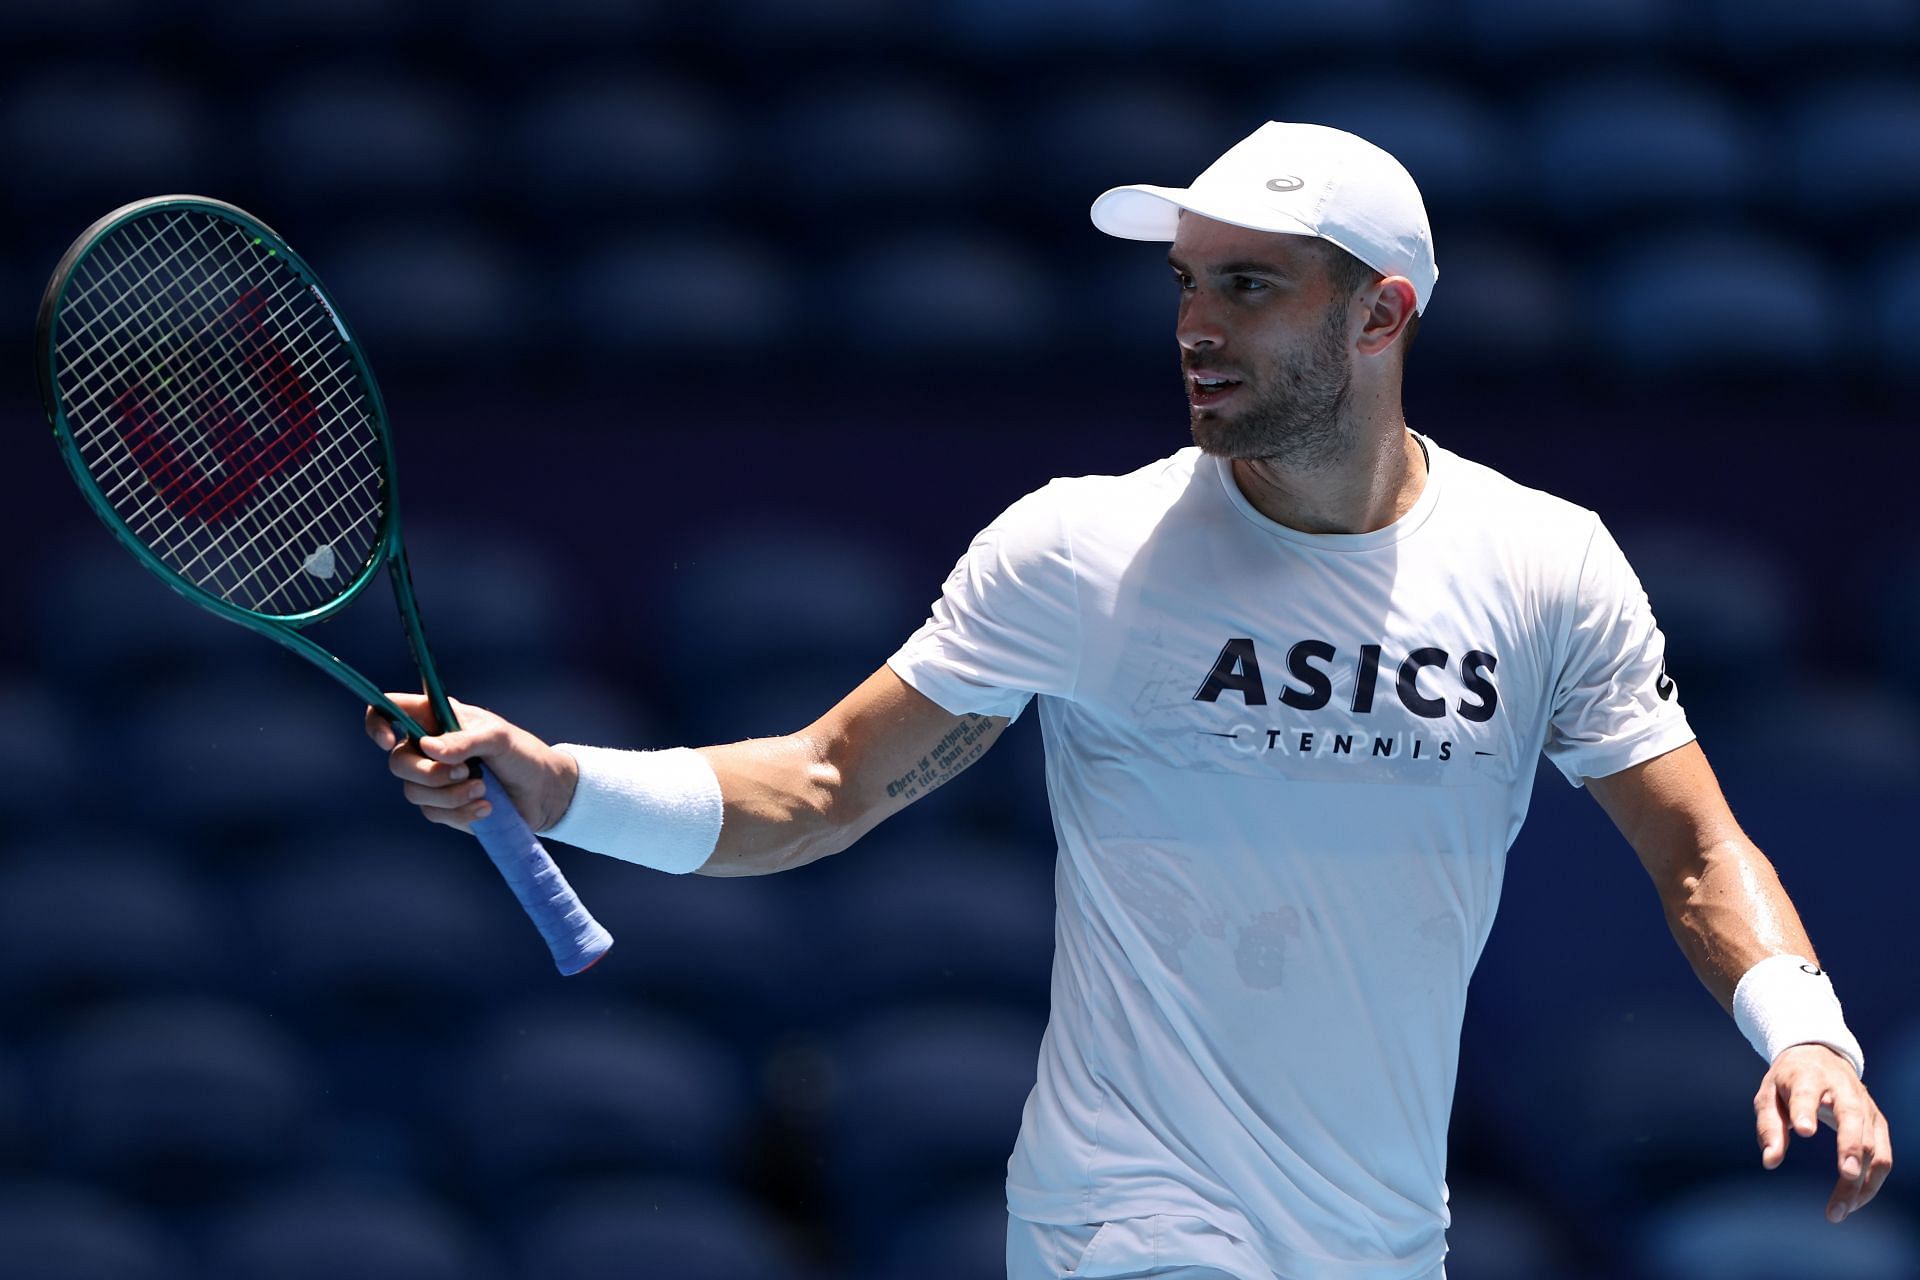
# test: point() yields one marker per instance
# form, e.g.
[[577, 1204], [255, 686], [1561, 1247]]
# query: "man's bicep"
[[1669, 808], [891, 744]]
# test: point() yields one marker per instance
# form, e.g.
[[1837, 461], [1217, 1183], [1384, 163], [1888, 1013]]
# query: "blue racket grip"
[[575, 937]]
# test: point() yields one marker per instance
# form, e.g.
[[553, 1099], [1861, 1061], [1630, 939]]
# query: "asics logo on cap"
[[1285, 184]]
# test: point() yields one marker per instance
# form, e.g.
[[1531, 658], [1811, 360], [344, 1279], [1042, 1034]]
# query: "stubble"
[[1297, 418]]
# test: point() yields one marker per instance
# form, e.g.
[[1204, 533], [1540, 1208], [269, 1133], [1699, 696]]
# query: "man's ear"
[[1390, 307]]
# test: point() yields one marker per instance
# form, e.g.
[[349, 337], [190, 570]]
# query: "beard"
[[1296, 412]]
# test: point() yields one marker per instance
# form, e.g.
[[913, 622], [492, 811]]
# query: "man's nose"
[[1198, 327]]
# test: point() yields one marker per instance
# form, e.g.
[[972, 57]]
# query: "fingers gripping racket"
[[222, 420]]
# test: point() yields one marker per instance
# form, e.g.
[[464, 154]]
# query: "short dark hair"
[[1350, 275]]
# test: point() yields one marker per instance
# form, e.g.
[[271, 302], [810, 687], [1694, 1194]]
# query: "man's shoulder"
[[1123, 496], [1491, 497]]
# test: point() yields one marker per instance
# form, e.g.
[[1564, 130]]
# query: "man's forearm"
[[783, 806], [1745, 941], [1728, 911], [770, 804], [748, 808]]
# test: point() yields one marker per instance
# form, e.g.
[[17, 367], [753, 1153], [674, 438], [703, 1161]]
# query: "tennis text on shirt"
[[1310, 689]]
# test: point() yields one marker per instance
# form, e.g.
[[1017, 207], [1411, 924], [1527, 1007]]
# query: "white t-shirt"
[[1285, 770]]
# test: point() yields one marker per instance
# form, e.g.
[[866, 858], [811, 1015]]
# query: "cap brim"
[[1143, 212]]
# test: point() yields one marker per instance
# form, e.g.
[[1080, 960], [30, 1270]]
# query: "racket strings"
[[219, 411], [229, 570], [245, 459], [147, 518]]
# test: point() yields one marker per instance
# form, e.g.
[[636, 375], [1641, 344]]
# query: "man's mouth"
[[1206, 388]]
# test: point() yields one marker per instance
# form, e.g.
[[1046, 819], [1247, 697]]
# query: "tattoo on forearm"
[[964, 744]]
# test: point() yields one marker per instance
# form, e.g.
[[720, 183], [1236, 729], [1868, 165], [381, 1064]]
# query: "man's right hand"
[[440, 773]]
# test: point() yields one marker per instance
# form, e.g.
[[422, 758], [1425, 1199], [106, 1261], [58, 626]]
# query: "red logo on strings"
[[247, 456]]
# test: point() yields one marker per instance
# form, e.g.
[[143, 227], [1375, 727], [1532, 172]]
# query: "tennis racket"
[[219, 416]]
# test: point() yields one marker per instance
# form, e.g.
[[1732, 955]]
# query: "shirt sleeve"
[[1007, 623], [1614, 705]]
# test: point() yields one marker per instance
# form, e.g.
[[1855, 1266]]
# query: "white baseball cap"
[[1297, 179]]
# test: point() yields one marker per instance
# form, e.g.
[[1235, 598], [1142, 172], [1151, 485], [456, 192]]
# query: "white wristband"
[[1789, 1000], [660, 809]]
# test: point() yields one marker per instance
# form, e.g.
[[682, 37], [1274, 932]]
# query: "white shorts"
[[1162, 1247]]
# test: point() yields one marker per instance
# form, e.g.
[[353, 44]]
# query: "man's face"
[[1264, 343]]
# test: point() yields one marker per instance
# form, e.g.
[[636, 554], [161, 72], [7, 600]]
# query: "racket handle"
[[575, 937]]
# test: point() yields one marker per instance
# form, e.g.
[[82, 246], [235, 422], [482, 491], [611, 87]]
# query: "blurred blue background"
[[712, 333]]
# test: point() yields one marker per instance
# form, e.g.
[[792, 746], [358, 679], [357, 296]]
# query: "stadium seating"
[[1506, 306], [421, 292], [288, 28], [108, 629], [504, 29], [1844, 30], [291, 739], [1512, 29], [383, 927], [1837, 808], [176, 1101], [1715, 301], [614, 144], [1458, 145], [339, 140], [546, 1094], [114, 22], [938, 921], [959, 1239], [1853, 151], [613, 1227], [1131, 303], [1499, 1234], [1616, 151], [763, 603], [846, 144], [1650, 1128], [99, 133], [93, 917], [1715, 593], [736, 958], [14, 1150], [1736, 1231], [825, 27], [564, 706], [1381, 31], [877, 304], [323, 1230], [1896, 1069], [1004, 26], [1107, 132], [681, 289], [1896, 343], [495, 607], [1886, 596], [39, 756], [52, 1230], [888, 1151]]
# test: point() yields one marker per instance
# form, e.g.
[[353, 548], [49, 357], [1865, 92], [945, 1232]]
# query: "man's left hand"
[[1810, 1085]]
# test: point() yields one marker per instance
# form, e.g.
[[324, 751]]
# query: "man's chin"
[[1218, 439]]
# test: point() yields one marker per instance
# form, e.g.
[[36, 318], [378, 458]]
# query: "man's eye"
[[1247, 284], [1182, 279]]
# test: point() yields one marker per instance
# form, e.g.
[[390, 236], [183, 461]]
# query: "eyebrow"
[[1236, 268]]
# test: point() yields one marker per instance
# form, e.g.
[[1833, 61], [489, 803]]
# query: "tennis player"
[[1293, 681]]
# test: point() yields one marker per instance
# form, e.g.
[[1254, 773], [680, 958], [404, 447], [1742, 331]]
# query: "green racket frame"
[[576, 940], [388, 549]]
